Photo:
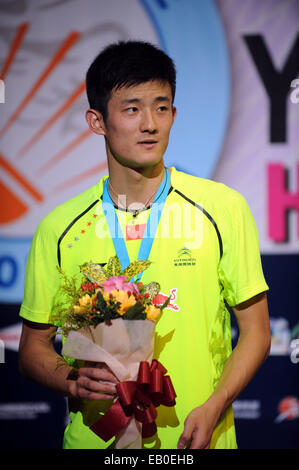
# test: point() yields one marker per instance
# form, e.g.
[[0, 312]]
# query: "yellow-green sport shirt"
[[205, 255]]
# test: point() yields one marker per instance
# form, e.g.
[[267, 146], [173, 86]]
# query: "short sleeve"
[[240, 268], [42, 278]]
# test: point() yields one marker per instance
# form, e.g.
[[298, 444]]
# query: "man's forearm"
[[249, 354], [251, 351], [239, 369], [41, 364]]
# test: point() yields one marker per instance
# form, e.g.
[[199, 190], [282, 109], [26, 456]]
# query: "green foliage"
[[113, 267], [106, 310], [69, 287], [136, 312], [94, 272], [135, 268]]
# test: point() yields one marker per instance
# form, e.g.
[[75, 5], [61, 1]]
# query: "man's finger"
[[96, 386], [89, 395], [95, 373], [186, 435], [182, 442]]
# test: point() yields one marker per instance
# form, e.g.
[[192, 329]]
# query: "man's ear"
[[174, 113], [95, 121]]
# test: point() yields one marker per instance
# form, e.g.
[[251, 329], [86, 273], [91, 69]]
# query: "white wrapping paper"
[[122, 346]]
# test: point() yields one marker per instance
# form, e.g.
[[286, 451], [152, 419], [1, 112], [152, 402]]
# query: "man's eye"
[[162, 108], [132, 109]]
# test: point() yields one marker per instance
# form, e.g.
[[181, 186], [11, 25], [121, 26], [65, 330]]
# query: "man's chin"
[[142, 163]]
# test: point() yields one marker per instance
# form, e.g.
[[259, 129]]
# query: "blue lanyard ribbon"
[[150, 229]]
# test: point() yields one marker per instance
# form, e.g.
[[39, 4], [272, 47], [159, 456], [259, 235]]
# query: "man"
[[204, 252]]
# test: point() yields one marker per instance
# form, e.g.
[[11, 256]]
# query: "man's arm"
[[249, 354], [39, 362]]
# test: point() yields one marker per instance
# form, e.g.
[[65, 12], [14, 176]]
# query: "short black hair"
[[125, 64]]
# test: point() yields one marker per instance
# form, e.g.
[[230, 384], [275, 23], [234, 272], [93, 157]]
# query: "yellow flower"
[[105, 295], [84, 305], [80, 309], [85, 300], [152, 312], [125, 300]]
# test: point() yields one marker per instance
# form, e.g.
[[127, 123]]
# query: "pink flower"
[[119, 283], [130, 287], [114, 282]]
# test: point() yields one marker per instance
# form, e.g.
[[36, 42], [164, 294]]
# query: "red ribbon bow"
[[139, 399]]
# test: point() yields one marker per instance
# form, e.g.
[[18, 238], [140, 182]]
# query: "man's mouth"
[[148, 143]]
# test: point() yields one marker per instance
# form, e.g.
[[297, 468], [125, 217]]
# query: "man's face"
[[138, 124]]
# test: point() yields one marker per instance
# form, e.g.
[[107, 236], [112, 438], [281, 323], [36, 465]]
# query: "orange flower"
[[125, 300]]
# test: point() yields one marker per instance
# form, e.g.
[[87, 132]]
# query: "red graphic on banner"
[[18, 39], [66, 45], [12, 206], [69, 102]]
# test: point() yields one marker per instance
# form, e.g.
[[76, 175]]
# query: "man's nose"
[[148, 123]]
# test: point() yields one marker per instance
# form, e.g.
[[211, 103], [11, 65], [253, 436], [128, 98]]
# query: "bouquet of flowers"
[[101, 320]]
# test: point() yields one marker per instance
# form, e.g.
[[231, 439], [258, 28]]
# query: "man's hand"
[[94, 381], [198, 427]]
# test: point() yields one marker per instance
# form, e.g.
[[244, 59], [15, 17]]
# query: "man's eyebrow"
[[163, 98], [138, 100], [130, 100]]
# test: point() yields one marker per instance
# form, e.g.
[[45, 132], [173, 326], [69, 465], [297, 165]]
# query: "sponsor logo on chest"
[[184, 258]]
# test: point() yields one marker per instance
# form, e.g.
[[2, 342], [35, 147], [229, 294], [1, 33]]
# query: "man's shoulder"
[[225, 207], [62, 215], [205, 191]]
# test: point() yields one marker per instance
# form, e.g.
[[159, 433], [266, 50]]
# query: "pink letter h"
[[280, 200]]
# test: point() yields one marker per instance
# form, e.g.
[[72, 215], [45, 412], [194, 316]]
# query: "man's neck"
[[137, 185]]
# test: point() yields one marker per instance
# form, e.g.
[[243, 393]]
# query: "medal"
[[150, 229]]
